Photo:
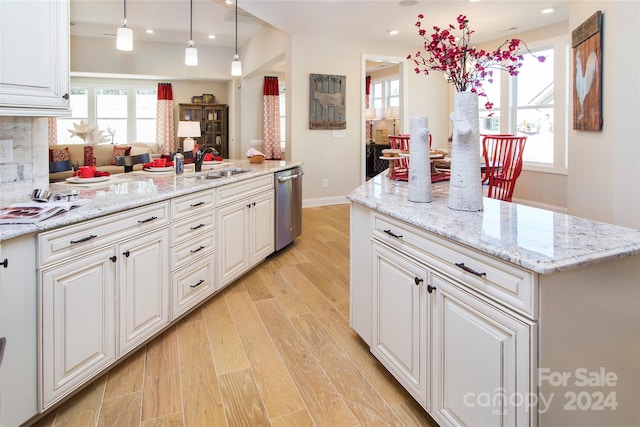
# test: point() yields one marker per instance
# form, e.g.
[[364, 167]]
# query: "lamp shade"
[[191, 56], [236, 67], [393, 112], [371, 114], [124, 39], [189, 129]]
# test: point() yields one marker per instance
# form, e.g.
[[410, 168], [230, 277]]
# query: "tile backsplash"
[[29, 167]]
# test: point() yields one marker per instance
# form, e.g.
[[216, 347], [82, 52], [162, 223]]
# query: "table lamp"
[[392, 114], [371, 116], [188, 130]]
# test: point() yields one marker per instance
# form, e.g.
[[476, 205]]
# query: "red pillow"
[[119, 151], [58, 155]]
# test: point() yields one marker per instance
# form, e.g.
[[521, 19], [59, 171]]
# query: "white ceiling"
[[365, 20]]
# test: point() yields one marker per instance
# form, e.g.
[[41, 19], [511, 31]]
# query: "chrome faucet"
[[199, 157]]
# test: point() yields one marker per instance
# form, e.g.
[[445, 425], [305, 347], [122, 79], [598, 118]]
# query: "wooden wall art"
[[327, 95], [586, 41]]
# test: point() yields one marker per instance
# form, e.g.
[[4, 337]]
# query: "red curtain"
[[271, 116], [165, 129]]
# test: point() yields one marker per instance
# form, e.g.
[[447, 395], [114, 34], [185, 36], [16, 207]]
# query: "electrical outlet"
[[6, 150], [325, 183]]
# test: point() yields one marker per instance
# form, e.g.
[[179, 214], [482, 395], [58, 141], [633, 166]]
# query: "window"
[[377, 100], [283, 116], [392, 93], [534, 104], [124, 114], [111, 113]]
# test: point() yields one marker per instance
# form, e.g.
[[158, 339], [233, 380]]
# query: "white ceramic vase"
[[419, 162], [465, 187]]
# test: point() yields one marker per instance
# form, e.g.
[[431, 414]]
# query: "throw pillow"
[[58, 155], [119, 151]]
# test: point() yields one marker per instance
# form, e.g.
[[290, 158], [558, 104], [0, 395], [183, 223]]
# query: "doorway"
[[384, 107]]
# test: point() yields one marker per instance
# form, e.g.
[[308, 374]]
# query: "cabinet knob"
[[127, 253], [418, 280], [5, 263], [113, 258], [430, 288], [65, 96]]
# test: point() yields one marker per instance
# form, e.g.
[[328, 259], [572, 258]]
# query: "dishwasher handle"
[[289, 177]]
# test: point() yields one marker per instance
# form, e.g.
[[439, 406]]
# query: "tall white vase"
[[419, 162], [465, 187]]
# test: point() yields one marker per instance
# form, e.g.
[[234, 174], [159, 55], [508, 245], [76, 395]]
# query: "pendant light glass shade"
[[124, 39], [124, 36], [191, 53], [236, 65]]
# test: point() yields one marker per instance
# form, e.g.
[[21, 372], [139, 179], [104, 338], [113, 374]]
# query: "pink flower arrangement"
[[465, 66]]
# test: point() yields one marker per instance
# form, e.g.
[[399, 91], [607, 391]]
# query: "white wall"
[[604, 177]]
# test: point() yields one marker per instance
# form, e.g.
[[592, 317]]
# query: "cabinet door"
[[262, 227], [481, 361], [18, 367], [233, 243], [144, 288], [78, 323], [400, 332], [35, 63]]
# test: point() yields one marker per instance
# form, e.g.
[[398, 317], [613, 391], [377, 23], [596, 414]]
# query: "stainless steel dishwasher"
[[288, 206]]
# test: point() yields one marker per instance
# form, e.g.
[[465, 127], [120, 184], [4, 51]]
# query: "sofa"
[[63, 156]]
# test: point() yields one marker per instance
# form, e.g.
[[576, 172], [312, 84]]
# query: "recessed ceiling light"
[[212, 36], [408, 2], [150, 31], [548, 10], [393, 32]]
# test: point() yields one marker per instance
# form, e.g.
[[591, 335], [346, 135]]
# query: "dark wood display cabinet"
[[214, 125]]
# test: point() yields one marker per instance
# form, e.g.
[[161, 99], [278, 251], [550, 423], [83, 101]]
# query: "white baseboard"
[[324, 201]]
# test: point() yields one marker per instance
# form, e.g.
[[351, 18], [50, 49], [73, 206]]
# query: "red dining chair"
[[400, 167], [503, 164]]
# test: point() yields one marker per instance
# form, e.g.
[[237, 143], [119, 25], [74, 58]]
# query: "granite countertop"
[[134, 189], [536, 239]]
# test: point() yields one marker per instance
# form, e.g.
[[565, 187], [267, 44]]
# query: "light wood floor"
[[274, 348]]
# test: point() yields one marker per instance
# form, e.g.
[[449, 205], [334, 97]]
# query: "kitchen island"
[[82, 290], [509, 316]]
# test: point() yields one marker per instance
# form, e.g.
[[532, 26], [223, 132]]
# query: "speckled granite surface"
[[536, 239], [126, 191]]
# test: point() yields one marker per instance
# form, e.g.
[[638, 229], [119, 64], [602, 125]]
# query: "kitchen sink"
[[224, 173]]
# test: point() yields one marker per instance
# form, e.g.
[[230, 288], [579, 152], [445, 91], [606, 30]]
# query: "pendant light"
[[124, 37], [191, 53], [236, 65]]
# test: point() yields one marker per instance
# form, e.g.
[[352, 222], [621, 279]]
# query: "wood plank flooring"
[[272, 349]]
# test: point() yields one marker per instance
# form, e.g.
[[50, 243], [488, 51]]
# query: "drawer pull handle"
[[195, 205], [127, 253], [113, 258], [84, 239], [392, 234], [196, 250], [197, 284], [430, 288], [142, 221], [5, 263], [197, 226], [469, 270], [418, 280]]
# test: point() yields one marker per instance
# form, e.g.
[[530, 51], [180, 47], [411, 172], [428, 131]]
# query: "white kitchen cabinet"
[[78, 323], [481, 360], [95, 279], [143, 287], [245, 227], [18, 370], [193, 245], [35, 58], [400, 319]]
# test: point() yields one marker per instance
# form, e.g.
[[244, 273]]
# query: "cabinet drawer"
[[232, 192], [77, 239], [193, 227], [496, 279], [193, 249], [192, 284], [192, 203]]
